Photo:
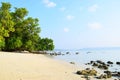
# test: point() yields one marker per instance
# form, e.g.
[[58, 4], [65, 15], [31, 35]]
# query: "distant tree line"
[[19, 32]]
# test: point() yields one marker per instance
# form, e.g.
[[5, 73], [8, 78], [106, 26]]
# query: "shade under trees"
[[19, 32]]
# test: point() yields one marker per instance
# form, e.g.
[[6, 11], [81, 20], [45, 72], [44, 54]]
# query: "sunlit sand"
[[18, 66]]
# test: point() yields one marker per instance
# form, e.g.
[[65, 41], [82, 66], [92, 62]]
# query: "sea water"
[[91, 54]]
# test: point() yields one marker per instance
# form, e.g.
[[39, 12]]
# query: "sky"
[[75, 24]]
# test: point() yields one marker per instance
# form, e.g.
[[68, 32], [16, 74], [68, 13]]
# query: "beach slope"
[[19, 66]]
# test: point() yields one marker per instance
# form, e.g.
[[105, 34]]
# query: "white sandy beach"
[[18, 66]]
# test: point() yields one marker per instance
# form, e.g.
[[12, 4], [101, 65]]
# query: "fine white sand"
[[20, 66]]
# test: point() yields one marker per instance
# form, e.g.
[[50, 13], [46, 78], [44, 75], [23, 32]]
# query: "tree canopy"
[[19, 32]]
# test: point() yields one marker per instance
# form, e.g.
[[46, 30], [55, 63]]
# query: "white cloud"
[[49, 3], [95, 25], [93, 8], [70, 17], [62, 9], [66, 29]]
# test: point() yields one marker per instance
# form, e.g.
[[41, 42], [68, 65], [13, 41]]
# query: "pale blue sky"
[[75, 24]]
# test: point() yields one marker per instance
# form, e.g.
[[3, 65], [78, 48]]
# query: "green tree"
[[6, 23], [2, 42], [17, 35], [27, 29], [19, 32], [13, 43], [45, 44], [30, 33]]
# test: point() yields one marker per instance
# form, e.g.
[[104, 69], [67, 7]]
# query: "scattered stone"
[[108, 65], [95, 64], [109, 62], [116, 74], [77, 52], [88, 64], [107, 72], [55, 53], [59, 53], [39, 52], [92, 62], [98, 61], [87, 68], [67, 52], [103, 67], [118, 63], [86, 77], [99, 64], [72, 62], [104, 76], [89, 72]]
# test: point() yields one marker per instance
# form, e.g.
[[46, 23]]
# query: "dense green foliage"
[[18, 32], [44, 41]]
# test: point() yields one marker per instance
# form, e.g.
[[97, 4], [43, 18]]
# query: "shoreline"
[[28, 66], [20, 66]]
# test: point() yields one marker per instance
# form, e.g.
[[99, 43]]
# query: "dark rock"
[[107, 72], [77, 52], [87, 72], [108, 65], [87, 63], [67, 52], [100, 66], [93, 72], [117, 74], [109, 62], [103, 67], [72, 62], [104, 76], [87, 68], [86, 77], [118, 63], [59, 53], [53, 54], [79, 72], [100, 77], [38, 52], [95, 64], [98, 61], [92, 62], [109, 75]]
